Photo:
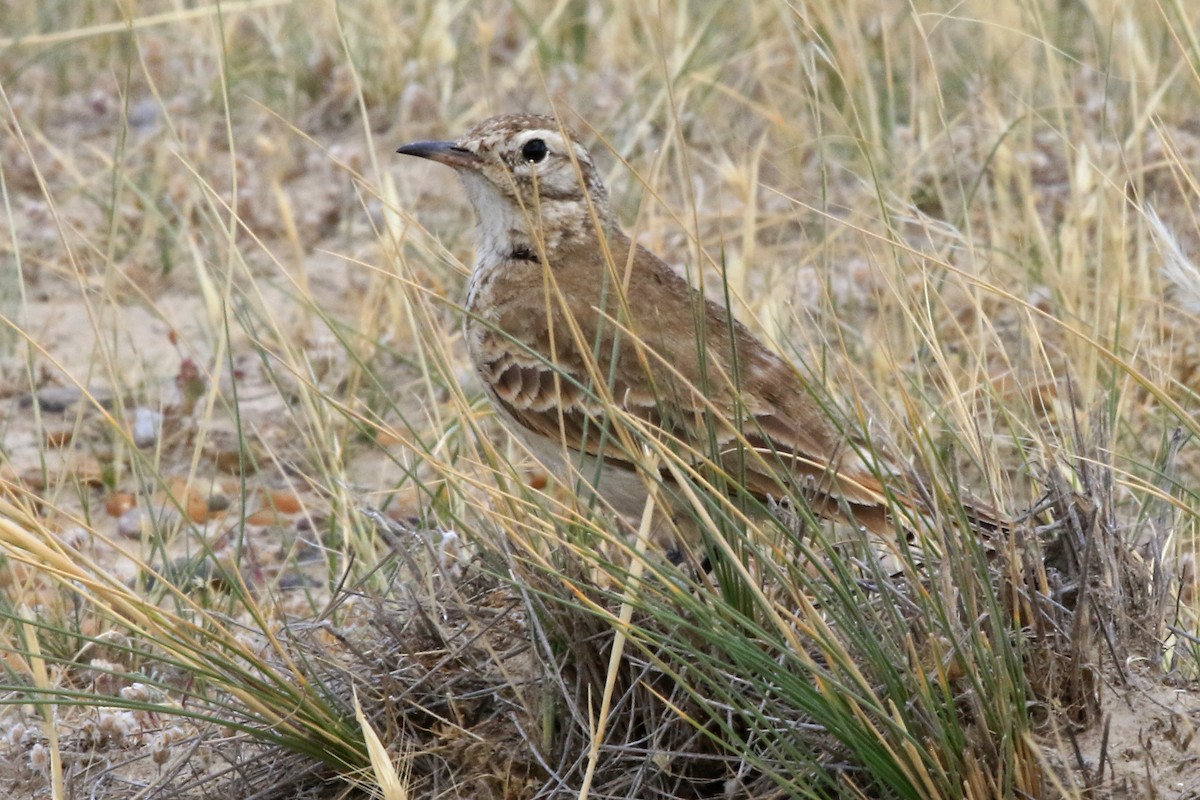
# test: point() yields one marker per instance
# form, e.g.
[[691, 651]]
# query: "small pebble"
[[118, 503], [147, 425], [53, 399], [143, 113], [75, 537], [283, 501], [60, 437], [264, 516], [131, 524]]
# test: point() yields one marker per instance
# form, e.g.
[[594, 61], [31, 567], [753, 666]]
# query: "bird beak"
[[448, 153]]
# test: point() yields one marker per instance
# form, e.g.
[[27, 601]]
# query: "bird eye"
[[534, 150]]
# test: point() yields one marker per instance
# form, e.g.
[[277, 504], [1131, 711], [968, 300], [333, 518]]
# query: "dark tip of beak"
[[448, 153]]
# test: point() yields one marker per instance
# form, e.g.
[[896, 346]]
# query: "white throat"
[[500, 226]]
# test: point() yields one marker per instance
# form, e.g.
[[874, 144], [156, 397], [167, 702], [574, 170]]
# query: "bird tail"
[[914, 515], [985, 519], [972, 516]]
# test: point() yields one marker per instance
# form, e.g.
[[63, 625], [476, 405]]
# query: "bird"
[[587, 343]]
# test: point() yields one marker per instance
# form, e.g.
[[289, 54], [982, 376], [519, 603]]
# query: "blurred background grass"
[[980, 225]]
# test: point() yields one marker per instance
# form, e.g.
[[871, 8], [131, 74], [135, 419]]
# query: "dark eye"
[[534, 150]]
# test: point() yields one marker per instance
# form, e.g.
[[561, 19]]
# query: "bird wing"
[[718, 396]]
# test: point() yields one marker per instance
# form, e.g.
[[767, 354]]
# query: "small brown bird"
[[580, 336]]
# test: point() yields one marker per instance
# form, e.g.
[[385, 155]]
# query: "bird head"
[[527, 178]]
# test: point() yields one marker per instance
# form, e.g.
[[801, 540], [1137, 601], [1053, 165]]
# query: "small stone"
[[59, 437], [283, 501], [53, 399], [147, 426], [263, 517], [132, 524], [118, 503], [143, 114]]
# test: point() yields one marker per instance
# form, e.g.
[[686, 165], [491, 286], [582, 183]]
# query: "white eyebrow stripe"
[[551, 138]]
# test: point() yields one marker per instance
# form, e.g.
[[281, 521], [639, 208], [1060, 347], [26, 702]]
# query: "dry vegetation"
[[228, 325]]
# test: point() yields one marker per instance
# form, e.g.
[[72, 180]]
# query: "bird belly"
[[590, 478]]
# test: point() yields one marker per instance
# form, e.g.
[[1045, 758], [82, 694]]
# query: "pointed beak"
[[448, 153]]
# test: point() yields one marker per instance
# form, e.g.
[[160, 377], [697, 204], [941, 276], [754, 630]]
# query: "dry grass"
[[225, 307]]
